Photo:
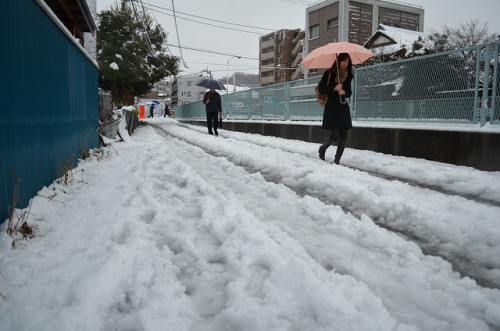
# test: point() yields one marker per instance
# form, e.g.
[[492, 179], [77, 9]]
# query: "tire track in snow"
[[411, 182], [300, 221], [462, 264]]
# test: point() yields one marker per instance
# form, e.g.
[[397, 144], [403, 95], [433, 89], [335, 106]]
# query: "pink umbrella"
[[324, 57]]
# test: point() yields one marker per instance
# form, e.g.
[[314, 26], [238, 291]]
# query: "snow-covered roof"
[[389, 35]]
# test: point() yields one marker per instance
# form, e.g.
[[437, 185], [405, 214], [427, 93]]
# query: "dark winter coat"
[[215, 104], [337, 115]]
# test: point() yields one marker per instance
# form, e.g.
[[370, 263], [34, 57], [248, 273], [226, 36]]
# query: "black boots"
[[322, 148], [340, 151]]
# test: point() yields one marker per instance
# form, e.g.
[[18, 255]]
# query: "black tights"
[[338, 133]]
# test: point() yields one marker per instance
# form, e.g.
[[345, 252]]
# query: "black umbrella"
[[211, 84]]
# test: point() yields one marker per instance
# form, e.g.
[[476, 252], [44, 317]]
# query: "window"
[[189, 93], [189, 83], [332, 23], [314, 32]]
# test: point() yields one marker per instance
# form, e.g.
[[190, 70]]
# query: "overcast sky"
[[211, 32]]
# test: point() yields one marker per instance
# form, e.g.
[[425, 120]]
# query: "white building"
[[187, 90]]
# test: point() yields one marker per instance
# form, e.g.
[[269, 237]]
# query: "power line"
[[143, 30], [224, 65], [212, 20], [158, 24], [213, 52], [149, 3], [146, 30], [224, 70], [301, 2], [210, 24], [178, 39]]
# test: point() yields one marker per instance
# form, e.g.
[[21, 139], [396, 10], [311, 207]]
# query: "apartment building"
[[356, 21], [278, 56], [298, 55]]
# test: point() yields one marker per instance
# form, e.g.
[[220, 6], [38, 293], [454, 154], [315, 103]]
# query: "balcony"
[[298, 59], [267, 56], [298, 73], [266, 70], [299, 36], [266, 44], [298, 48], [266, 80]]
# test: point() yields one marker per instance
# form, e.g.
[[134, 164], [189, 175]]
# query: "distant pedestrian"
[[213, 106], [167, 110], [336, 83], [151, 110]]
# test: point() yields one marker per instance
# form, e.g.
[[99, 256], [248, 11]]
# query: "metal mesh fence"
[[261, 103], [443, 87], [439, 87], [292, 100], [303, 104], [495, 100]]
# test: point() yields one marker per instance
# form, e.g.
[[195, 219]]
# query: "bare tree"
[[469, 34], [473, 33]]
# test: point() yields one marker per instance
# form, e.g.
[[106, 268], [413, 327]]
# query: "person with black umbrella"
[[212, 101], [213, 105]]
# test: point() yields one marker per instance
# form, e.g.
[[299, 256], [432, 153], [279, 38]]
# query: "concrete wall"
[[472, 149]]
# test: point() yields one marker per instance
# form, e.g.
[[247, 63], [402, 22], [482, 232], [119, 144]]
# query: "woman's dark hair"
[[342, 57]]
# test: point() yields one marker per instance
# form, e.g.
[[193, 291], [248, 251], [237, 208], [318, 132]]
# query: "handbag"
[[322, 98], [220, 121]]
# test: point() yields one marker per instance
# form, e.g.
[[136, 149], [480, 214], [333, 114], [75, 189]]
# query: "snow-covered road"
[[179, 230], [419, 199]]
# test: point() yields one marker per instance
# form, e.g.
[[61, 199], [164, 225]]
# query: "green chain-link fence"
[[495, 99], [444, 87], [440, 87]]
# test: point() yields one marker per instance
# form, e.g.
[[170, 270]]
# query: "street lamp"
[[227, 72]]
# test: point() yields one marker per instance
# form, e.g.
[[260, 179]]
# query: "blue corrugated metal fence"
[[49, 93]]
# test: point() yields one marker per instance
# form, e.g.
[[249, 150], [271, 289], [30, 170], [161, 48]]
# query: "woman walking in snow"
[[336, 83]]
